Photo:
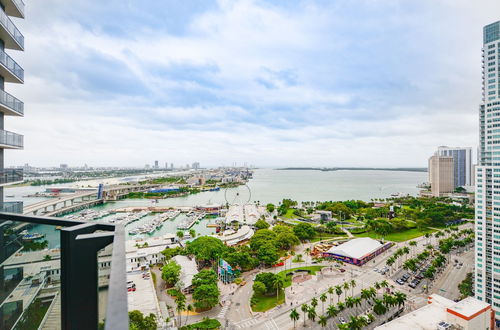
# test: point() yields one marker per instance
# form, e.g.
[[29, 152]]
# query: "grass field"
[[289, 214], [264, 303], [327, 236], [397, 237]]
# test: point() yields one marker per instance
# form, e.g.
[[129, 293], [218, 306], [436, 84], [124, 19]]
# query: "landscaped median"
[[264, 297], [397, 236]]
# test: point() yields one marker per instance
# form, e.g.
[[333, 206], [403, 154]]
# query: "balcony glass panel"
[[20, 5], [11, 102], [11, 139], [11, 175], [12, 65], [11, 28], [29, 276], [12, 207]]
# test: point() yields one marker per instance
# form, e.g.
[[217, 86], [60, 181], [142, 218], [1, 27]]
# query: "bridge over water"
[[83, 199]]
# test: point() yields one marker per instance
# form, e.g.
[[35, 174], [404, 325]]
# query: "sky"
[[366, 83]]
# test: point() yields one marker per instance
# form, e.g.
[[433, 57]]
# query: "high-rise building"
[[10, 72], [171, 166], [487, 217], [195, 165], [157, 165], [441, 175], [462, 163]]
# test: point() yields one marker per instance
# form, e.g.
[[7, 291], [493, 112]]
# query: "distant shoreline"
[[328, 169]]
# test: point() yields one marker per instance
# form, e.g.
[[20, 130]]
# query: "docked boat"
[[31, 237]]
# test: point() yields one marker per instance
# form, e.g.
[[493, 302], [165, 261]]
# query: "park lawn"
[[264, 303], [289, 214], [399, 236], [326, 236], [288, 279]]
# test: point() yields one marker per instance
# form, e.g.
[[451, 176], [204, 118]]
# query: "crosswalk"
[[223, 311]]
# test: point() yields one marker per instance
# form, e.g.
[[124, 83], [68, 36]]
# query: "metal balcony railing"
[[77, 263], [11, 102], [11, 28], [9, 175], [11, 65], [11, 139]]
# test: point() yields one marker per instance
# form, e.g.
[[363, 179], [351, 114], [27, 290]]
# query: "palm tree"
[[338, 291], [322, 321], [294, 316], [331, 290], [412, 244], [353, 285], [323, 298], [379, 308], [311, 313], [278, 283], [377, 286], [370, 316], [384, 284], [314, 302], [346, 287], [388, 300], [332, 311], [180, 306], [341, 306], [356, 323], [189, 309], [192, 233], [400, 298], [349, 302], [304, 308], [357, 301]]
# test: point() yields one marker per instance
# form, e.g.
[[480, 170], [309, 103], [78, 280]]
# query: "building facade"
[[441, 175], [462, 164], [487, 217]]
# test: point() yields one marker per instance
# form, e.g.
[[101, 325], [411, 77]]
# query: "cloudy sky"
[[270, 83]]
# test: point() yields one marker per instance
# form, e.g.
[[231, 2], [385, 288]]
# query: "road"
[[365, 276]]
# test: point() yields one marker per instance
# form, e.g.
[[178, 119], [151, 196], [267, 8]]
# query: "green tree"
[[206, 296], [205, 276], [171, 272], [262, 237], [180, 234], [322, 321], [268, 254], [192, 233], [259, 288], [379, 308], [304, 231], [294, 316], [304, 308], [338, 291], [261, 224], [268, 280], [332, 311], [180, 302], [286, 241], [278, 284], [323, 298], [311, 313], [206, 248], [270, 208], [137, 321]]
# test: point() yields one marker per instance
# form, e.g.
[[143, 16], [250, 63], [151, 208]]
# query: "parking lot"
[[144, 297]]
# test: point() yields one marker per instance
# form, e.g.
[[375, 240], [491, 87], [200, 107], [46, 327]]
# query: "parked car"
[[342, 320], [131, 289], [400, 282]]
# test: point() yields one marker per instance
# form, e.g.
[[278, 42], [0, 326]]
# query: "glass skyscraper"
[[462, 164], [487, 218]]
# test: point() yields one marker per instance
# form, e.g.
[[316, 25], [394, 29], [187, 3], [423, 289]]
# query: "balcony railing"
[[76, 289], [12, 30], [20, 5], [11, 102], [11, 65], [11, 207], [10, 175], [11, 139]]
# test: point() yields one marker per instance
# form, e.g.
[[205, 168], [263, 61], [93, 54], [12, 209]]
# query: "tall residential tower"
[[487, 218]]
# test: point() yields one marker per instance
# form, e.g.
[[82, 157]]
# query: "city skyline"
[[301, 84]]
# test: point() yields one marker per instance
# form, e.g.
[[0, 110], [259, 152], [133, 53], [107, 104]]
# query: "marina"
[[192, 218]]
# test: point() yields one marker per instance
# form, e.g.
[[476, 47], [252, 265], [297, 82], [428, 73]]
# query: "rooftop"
[[469, 306], [356, 248], [188, 270]]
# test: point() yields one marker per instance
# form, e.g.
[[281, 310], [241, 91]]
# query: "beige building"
[[441, 175], [445, 314]]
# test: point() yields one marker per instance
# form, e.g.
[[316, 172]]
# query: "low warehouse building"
[[357, 251]]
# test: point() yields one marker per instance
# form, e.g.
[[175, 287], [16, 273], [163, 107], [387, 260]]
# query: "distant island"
[[327, 169]]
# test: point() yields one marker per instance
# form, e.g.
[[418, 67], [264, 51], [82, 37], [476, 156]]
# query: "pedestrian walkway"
[[53, 320], [223, 311]]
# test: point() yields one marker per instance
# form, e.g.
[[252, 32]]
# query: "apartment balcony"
[[10, 70], [10, 105], [12, 37], [10, 140], [10, 176], [12, 207], [14, 8], [66, 279]]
